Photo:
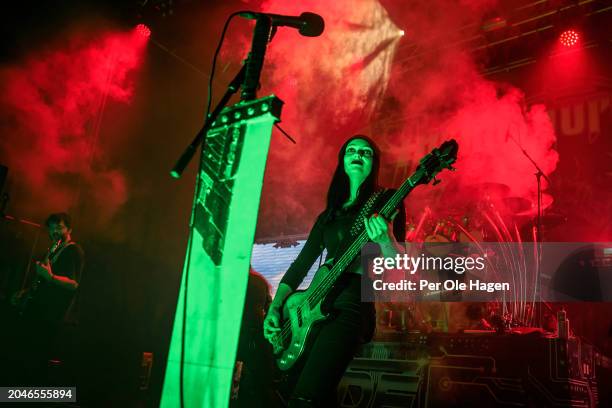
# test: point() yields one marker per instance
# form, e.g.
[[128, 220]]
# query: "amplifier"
[[475, 370]]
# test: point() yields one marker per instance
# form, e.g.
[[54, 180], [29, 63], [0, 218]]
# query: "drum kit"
[[479, 220]]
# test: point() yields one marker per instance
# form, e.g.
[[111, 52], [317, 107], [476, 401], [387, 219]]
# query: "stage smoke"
[[54, 102], [409, 93]]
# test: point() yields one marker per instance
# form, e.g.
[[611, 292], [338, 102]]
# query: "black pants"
[[333, 347], [256, 384]]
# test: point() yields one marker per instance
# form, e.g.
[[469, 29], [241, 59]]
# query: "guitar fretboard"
[[324, 286]]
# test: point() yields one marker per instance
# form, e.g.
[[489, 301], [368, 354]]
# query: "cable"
[[214, 61], [192, 220]]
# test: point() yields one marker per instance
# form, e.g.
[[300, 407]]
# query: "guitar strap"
[[365, 211], [53, 257]]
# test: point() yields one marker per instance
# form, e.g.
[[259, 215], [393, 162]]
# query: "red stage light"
[[143, 30], [569, 38]]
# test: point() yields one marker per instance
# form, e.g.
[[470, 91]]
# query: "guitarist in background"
[[353, 321], [50, 300]]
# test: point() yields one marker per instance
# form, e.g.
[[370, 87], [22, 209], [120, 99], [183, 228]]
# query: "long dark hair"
[[339, 188]]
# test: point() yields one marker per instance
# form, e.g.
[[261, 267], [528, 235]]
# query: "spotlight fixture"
[[143, 30], [569, 38]]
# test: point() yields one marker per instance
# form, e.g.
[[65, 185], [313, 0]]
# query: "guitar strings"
[[332, 276], [336, 271], [386, 209], [391, 204]]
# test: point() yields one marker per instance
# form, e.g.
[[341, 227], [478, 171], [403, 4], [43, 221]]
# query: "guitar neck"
[[52, 250], [324, 285], [401, 193]]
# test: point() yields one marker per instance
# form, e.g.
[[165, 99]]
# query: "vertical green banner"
[[217, 265]]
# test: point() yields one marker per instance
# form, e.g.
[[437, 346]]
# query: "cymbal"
[[517, 204], [547, 201]]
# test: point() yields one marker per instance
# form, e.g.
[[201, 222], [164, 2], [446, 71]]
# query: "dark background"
[[133, 263]]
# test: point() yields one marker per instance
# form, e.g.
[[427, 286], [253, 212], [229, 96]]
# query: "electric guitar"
[[302, 309], [22, 303]]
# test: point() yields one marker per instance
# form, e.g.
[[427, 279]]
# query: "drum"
[[440, 242]]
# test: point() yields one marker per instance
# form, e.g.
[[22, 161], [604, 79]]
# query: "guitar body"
[[299, 318]]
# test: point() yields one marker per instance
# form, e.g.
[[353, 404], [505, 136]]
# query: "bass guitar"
[[302, 309]]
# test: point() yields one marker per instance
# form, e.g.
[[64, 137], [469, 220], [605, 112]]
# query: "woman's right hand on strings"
[[271, 324]]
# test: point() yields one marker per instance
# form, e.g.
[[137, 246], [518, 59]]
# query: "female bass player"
[[353, 322]]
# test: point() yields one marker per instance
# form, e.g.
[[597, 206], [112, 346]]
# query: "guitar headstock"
[[439, 159]]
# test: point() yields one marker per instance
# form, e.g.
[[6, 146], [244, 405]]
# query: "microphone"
[[308, 24]]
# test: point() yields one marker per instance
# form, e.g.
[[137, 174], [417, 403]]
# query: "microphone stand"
[[248, 77], [538, 174], [262, 34], [199, 138]]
